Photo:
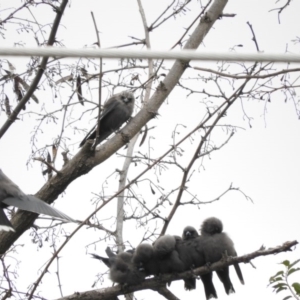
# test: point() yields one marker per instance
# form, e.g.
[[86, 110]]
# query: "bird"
[[116, 111], [12, 195], [161, 258], [164, 249], [144, 259], [191, 253], [121, 269], [189, 232], [216, 243]]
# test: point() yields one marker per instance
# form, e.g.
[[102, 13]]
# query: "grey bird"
[[116, 111], [189, 232], [121, 269], [192, 254], [215, 244], [11, 195], [161, 258], [144, 259], [167, 256]]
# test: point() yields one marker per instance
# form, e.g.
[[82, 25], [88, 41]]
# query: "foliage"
[[280, 281]]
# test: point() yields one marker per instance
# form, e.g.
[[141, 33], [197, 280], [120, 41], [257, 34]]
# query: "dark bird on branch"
[[116, 111], [121, 269], [191, 253], [189, 232], [166, 255], [215, 245], [11, 195]]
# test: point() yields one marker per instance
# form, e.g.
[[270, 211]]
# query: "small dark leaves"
[[144, 136], [79, 90], [49, 161], [152, 190], [7, 106], [64, 79], [65, 157], [26, 87], [54, 152], [17, 89]]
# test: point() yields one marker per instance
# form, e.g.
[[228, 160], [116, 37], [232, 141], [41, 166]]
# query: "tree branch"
[[156, 285], [40, 72], [85, 160]]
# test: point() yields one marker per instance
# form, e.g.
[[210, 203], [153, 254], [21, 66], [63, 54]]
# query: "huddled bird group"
[[175, 254]]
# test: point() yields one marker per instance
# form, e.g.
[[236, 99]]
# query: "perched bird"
[[191, 253], [11, 195], [121, 269], [189, 232], [116, 111], [161, 258], [215, 244], [166, 255], [144, 259]]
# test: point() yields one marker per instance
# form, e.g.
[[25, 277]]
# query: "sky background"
[[262, 160]]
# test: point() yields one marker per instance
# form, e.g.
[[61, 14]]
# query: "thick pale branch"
[[156, 284]]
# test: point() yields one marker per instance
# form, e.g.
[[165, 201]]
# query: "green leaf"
[[293, 270], [279, 285], [294, 263], [296, 286], [281, 289], [275, 277], [286, 263], [287, 297]]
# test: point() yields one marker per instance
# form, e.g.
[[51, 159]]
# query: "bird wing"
[[33, 204], [108, 107], [4, 222]]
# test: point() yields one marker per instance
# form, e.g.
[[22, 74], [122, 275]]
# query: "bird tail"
[[209, 287], [4, 222], [224, 277], [190, 284], [109, 252], [105, 260], [33, 204], [239, 273]]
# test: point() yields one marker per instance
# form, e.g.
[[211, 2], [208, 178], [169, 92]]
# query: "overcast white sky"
[[263, 160]]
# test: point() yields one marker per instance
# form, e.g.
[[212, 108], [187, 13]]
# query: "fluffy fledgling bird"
[[121, 269], [143, 258], [11, 195], [166, 255], [191, 253], [215, 244], [116, 111]]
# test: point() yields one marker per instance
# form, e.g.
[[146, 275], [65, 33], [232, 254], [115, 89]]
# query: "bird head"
[[127, 97], [211, 226]]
